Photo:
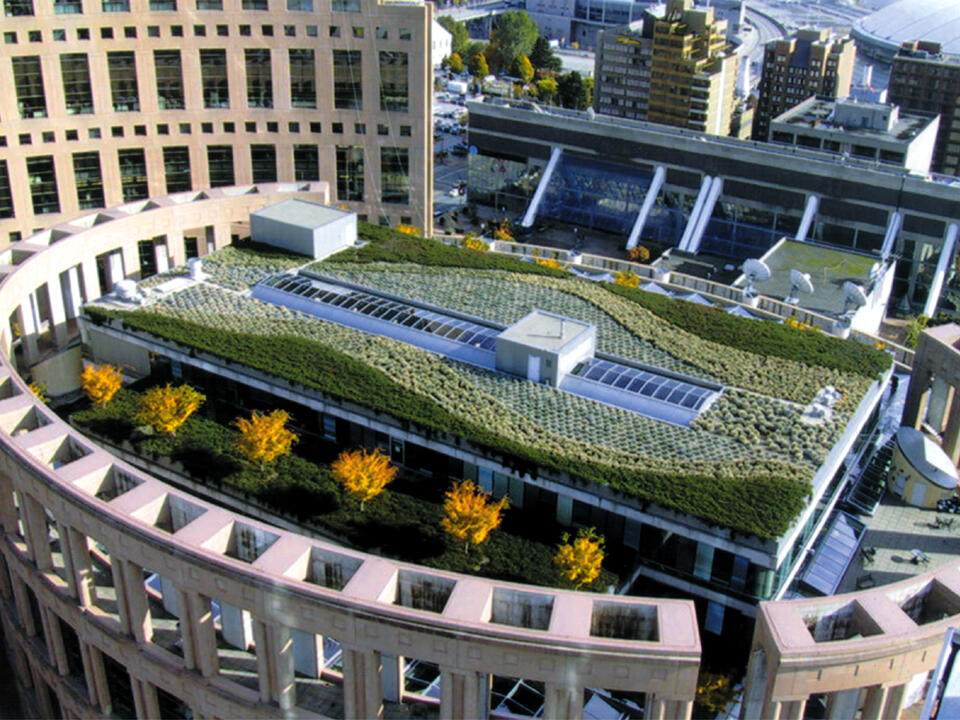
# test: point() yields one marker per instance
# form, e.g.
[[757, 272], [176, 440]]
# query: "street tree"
[[516, 34], [523, 69]]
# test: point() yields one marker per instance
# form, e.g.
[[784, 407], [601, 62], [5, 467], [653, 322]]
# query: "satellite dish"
[[799, 282], [756, 271], [853, 297]]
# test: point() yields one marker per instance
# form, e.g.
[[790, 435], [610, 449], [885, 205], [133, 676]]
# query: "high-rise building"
[[126, 100], [925, 79], [693, 74], [675, 68], [812, 62]]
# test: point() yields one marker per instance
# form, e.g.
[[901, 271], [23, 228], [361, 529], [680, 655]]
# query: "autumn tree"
[[455, 63], [39, 390], [363, 474], [264, 437], [479, 67], [547, 90], [167, 408], [100, 383], [470, 514], [579, 561], [516, 34], [522, 68]]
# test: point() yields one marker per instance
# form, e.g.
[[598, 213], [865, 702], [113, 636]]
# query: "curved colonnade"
[[81, 531]]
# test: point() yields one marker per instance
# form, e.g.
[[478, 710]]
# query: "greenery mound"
[[762, 504], [404, 525]]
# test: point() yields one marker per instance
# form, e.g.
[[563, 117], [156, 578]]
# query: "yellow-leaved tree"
[[167, 408], [264, 437], [363, 474], [470, 514], [579, 561], [100, 383]]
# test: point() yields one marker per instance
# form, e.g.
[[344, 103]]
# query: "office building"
[[622, 68], [870, 131], [812, 62], [115, 102], [924, 79]]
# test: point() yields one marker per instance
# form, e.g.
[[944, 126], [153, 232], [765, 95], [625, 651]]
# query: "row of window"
[[130, 32], [125, 92], [22, 8], [42, 176]]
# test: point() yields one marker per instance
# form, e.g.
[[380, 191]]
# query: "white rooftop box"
[[303, 227], [544, 347]]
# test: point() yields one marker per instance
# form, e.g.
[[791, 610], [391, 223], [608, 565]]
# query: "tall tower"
[[693, 71], [812, 62]]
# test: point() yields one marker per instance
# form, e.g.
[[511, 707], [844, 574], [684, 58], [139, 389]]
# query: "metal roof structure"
[[907, 20]]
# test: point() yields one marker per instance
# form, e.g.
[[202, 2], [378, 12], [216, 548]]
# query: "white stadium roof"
[[907, 20]]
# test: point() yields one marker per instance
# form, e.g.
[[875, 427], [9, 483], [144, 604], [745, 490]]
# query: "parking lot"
[[450, 153]]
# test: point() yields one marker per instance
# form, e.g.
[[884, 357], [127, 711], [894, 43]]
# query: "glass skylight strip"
[[643, 382]]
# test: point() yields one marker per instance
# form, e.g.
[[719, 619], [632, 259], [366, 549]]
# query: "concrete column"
[[69, 569], [8, 511], [275, 666], [221, 235], [951, 435], [41, 694], [176, 247], [874, 702], [263, 659], [6, 590], [161, 256], [915, 406], [362, 693], [87, 659], [893, 704], [843, 704], [38, 537], [563, 702], [119, 574], [82, 567], [656, 708], [114, 268], [100, 680], [137, 605], [28, 330], [58, 651], [680, 709], [391, 677], [464, 694], [58, 312], [48, 636], [91, 280], [23, 607], [198, 633], [792, 709], [144, 699]]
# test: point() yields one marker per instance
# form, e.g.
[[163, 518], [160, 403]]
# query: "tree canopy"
[[542, 56], [575, 91], [100, 383], [167, 408], [459, 36], [478, 66], [363, 474], [264, 436], [516, 34], [470, 514], [523, 69], [455, 63], [579, 560]]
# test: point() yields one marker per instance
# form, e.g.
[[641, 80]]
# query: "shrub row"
[[761, 504], [394, 524], [761, 337], [388, 245]]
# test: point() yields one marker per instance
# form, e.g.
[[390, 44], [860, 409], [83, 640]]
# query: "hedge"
[[395, 524], [387, 245], [762, 504]]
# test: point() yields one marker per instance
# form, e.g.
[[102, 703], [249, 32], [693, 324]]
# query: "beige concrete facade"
[[937, 368], [113, 119]]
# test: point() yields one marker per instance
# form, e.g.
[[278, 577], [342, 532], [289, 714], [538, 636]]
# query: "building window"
[[176, 169], [306, 162], [123, 81], [394, 85], [77, 90], [255, 4], [303, 79], [17, 8], [133, 174], [405, 131], [263, 161], [209, 4], [213, 78], [395, 175], [163, 5], [116, 6], [302, 5], [43, 184], [347, 80], [350, 173], [259, 81], [67, 7], [345, 5], [86, 173], [28, 79], [220, 165], [169, 74], [6, 193]]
